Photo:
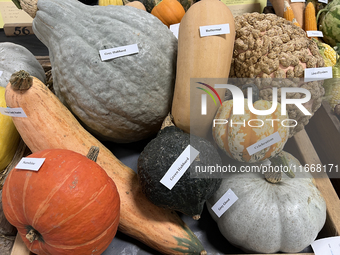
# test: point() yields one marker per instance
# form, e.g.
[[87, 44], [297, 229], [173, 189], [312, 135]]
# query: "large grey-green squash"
[[268, 218], [13, 58], [124, 99]]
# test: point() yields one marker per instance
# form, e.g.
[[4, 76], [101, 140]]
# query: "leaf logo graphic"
[[208, 92]]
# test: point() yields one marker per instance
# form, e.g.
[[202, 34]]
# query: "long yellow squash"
[[9, 136], [201, 57], [49, 124]]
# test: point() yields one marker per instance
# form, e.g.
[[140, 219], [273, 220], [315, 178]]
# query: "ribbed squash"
[[242, 131], [169, 12], [9, 136], [124, 99], [69, 206]]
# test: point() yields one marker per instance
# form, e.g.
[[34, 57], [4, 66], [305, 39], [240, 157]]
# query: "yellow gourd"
[[110, 2], [9, 136]]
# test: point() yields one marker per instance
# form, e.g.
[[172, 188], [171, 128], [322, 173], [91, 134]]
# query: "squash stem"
[[167, 122], [21, 80], [32, 235], [93, 153], [276, 176]]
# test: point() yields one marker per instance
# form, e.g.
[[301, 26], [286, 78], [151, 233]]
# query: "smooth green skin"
[[124, 99], [330, 24], [13, 58]]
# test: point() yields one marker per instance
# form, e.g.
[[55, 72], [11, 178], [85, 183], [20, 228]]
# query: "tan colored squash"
[[201, 57], [136, 4], [160, 229]]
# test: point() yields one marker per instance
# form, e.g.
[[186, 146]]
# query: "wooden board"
[[18, 29]]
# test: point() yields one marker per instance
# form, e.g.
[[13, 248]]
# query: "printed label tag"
[[327, 246], [297, 1], [1, 73], [320, 73], [175, 29], [314, 33], [323, 1], [179, 167], [224, 203], [118, 52], [264, 143], [32, 164], [13, 112], [214, 30]]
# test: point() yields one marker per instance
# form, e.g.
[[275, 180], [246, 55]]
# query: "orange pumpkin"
[[169, 12], [235, 133], [69, 206]]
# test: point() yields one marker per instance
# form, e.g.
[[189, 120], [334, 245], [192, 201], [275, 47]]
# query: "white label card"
[[13, 112], [297, 1], [214, 30], [319, 73], [264, 143], [314, 33], [327, 246], [118, 52], [32, 164], [224, 203], [175, 29], [323, 1], [1, 73], [179, 167]]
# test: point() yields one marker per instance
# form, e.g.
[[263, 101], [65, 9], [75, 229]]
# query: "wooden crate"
[[302, 148]]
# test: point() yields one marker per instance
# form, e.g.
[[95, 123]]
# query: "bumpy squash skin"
[[70, 203], [158, 228], [121, 100], [9, 136], [268, 218], [189, 194], [13, 58], [201, 57]]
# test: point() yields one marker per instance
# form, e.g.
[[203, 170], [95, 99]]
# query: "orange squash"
[[136, 4], [158, 228], [238, 132], [169, 12], [69, 206]]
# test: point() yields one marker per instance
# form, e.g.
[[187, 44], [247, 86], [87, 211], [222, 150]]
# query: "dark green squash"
[[189, 194]]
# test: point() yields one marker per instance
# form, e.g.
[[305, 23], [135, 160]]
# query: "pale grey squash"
[[268, 218], [13, 58], [121, 100]]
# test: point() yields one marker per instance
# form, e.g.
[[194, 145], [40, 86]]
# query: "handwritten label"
[[32, 164], [179, 167], [224, 203], [320, 73], [118, 52], [13, 112], [327, 246], [323, 1], [214, 30], [264, 143], [314, 33], [175, 29]]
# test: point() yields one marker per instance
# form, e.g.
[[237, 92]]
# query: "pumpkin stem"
[[32, 235], [93, 153], [203, 252], [276, 176], [167, 122], [256, 91], [21, 80], [196, 217]]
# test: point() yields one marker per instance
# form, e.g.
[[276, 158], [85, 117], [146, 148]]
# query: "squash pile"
[[73, 205]]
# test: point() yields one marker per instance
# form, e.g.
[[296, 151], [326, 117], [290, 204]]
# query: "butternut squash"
[[49, 124], [201, 57]]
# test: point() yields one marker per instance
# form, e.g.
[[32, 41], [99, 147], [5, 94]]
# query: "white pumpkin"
[[268, 218]]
